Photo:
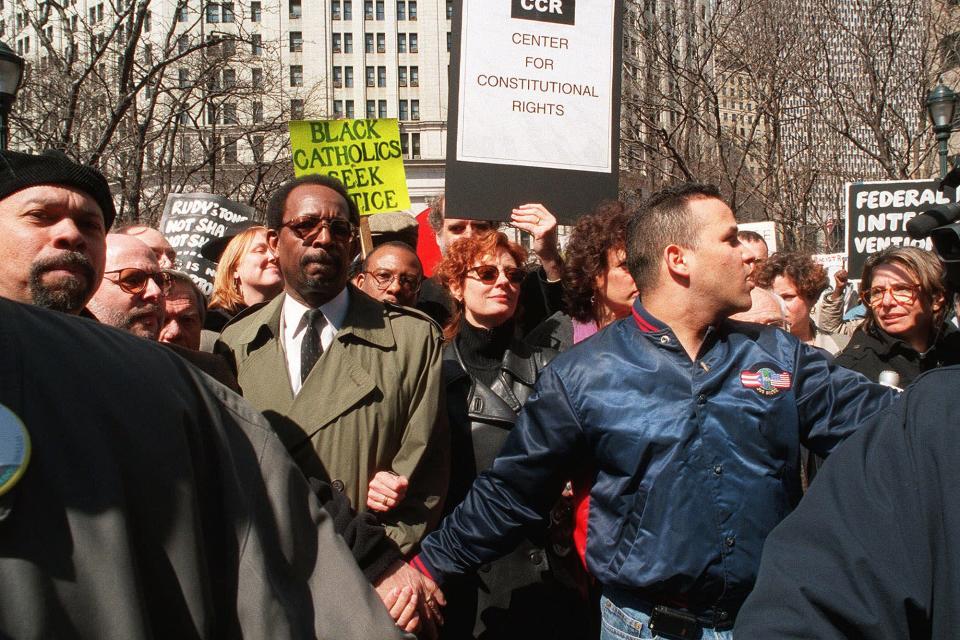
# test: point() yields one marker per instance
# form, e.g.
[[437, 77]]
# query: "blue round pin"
[[14, 449]]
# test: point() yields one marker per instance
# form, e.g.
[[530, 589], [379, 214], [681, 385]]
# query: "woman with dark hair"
[[904, 329], [597, 288], [489, 373], [799, 281]]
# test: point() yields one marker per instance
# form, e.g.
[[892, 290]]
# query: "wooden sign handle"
[[366, 240]]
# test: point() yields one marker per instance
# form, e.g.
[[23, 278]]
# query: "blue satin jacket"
[[692, 462]]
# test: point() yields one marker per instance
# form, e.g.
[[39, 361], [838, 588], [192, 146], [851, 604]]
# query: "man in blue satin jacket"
[[689, 423]]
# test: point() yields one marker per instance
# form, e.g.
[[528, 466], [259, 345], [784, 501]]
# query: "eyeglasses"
[[488, 273], [901, 293], [309, 226], [134, 281], [384, 279]]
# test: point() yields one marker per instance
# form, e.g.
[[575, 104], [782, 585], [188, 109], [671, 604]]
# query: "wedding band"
[[384, 501]]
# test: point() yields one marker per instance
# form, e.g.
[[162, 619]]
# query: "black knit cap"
[[21, 170]]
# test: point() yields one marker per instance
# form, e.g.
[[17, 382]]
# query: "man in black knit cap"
[[54, 214]]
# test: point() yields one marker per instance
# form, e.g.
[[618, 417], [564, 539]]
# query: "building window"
[[368, 9], [338, 108], [230, 114], [368, 42], [147, 19], [371, 77], [296, 75], [230, 152], [256, 147], [211, 114], [381, 108], [257, 112], [348, 77], [404, 112], [183, 43], [256, 76], [296, 9], [414, 109], [401, 10], [449, 41], [348, 43], [183, 78], [296, 109], [412, 10], [256, 44], [381, 43], [405, 144], [381, 76], [380, 10], [182, 13], [337, 77], [371, 109], [402, 76], [416, 144], [296, 41], [401, 43], [449, 9], [335, 9], [414, 76], [348, 109], [229, 48], [336, 43], [347, 10], [413, 43], [226, 12], [213, 13], [256, 13], [229, 78]]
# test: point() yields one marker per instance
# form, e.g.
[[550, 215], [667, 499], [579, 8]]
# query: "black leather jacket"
[[518, 595]]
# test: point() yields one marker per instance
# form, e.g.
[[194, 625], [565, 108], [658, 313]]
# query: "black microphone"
[[921, 226]]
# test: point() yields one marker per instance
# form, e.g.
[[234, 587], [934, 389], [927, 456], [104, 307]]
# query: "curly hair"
[[461, 257], [923, 265], [809, 277], [586, 257]]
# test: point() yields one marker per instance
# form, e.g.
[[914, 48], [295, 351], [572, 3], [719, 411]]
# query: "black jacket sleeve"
[[366, 537], [539, 299], [872, 549]]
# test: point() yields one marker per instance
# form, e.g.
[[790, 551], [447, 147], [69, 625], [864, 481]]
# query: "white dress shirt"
[[293, 322]]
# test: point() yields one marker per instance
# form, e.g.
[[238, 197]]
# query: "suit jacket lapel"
[[339, 381]]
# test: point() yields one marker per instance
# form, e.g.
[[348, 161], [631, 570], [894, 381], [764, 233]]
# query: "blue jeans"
[[618, 623]]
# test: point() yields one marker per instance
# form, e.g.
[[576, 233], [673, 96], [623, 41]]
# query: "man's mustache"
[[65, 260]]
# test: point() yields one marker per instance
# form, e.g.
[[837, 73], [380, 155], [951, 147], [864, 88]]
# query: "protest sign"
[[365, 155], [878, 212], [832, 262], [534, 107], [190, 220], [767, 229]]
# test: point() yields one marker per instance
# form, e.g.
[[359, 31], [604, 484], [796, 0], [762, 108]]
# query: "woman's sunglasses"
[[488, 273]]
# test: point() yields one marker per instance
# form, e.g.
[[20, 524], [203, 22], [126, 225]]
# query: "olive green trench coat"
[[373, 402]]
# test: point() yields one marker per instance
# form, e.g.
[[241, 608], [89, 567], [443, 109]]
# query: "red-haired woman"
[[489, 373]]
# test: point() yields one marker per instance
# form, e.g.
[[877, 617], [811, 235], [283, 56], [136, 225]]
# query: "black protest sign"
[[878, 213], [534, 107], [190, 220]]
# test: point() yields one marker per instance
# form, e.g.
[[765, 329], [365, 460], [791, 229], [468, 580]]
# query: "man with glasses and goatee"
[[351, 385]]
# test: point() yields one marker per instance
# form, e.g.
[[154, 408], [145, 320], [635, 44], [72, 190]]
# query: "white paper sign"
[[536, 80]]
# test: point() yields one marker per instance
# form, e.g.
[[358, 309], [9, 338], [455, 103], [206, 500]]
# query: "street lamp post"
[[11, 73], [941, 102]]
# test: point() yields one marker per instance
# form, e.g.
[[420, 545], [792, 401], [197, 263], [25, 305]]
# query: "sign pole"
[[366, 240]]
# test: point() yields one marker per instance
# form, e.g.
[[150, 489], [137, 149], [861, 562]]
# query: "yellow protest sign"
[[365, 155]]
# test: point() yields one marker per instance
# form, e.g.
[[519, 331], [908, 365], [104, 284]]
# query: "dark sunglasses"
[[488, 273], [309, 226], [134, 281]]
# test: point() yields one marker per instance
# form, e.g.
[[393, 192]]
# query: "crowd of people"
[[529, 443]]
